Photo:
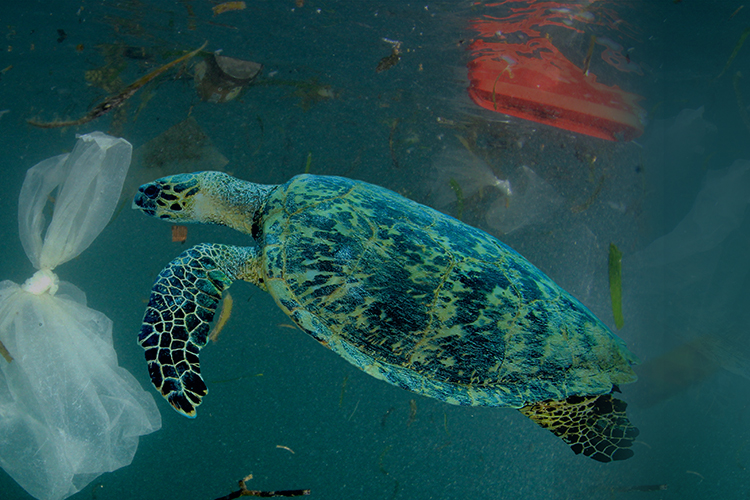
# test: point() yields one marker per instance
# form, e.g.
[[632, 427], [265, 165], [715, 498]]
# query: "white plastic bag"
[[68, 412]]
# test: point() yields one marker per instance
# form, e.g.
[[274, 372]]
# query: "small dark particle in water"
[[389, 61], [643, 487], [62, 36], [137, 53], [412, 412], [94, 491], [615, 284], [459, 197], [385, 417]]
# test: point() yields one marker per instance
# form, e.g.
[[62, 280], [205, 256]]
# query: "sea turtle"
[[408, 294]]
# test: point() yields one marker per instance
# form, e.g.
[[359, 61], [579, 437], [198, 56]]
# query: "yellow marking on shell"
[[424, 349]]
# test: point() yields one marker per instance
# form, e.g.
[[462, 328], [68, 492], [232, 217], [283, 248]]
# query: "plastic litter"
[[518, 71], [68, 412]]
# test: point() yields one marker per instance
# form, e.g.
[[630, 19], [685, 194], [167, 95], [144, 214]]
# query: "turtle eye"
[[151, 191]]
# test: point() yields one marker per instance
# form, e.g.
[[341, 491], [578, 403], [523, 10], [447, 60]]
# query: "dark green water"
[[271, 386]]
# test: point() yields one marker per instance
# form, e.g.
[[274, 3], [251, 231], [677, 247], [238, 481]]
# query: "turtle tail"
[[593, 425], [175, 326]]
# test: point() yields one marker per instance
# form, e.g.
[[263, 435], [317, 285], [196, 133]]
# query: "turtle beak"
[[143, 202]]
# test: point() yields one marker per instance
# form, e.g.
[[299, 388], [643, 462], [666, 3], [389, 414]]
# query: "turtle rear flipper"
[[593, 425], [176, 324]]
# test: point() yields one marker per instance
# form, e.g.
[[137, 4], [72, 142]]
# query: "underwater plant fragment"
[[391, 60], [115, 101], [615, 284], [4, 353], [244, 492]]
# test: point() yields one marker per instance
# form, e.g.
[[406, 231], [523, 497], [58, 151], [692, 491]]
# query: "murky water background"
[[296, 415]]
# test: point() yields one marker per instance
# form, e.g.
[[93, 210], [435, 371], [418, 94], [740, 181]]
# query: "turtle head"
[[203, 197]]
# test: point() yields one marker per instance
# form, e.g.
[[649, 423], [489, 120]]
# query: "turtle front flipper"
[[593, 425], [182, 304]]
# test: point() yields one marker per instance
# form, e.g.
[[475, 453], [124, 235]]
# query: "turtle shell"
[[428, 303]]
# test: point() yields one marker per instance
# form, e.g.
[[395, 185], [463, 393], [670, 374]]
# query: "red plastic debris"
[[518, 71]]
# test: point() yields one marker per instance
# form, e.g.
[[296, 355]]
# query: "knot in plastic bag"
[[43, 280]]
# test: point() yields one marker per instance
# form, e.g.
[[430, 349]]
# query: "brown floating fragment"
[[4, 352], [244, 492], [117, 100], [221, 79], [389, 61], [179, 234], [228, 6]]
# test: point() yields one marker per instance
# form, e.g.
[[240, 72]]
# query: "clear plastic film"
[[87, 181], [693, 284], [68, 412]]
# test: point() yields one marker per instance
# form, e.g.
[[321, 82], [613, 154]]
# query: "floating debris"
[[461, 179], [736, 51], [391, 143], [179, 234], [673, 372], [222, 79], [117, 100], [3, 112], [287, 325], [412, 412], [736, 11], [740, 100], [384, 419], [643, 487], [5, 70], [381, 459], [228, 6], [354, 410], [4, 353], [285, 448], [532, 201], [696, 474], [589, 53], [226, 311], [244, 492], [582, 207], [343, 389], [615, 284], [456, 187], [388, 62], [313, 93]]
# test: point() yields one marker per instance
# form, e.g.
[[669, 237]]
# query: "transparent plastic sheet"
[[68, 412], [521, 199], [692, 285], [674, 152], [531, 201]]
